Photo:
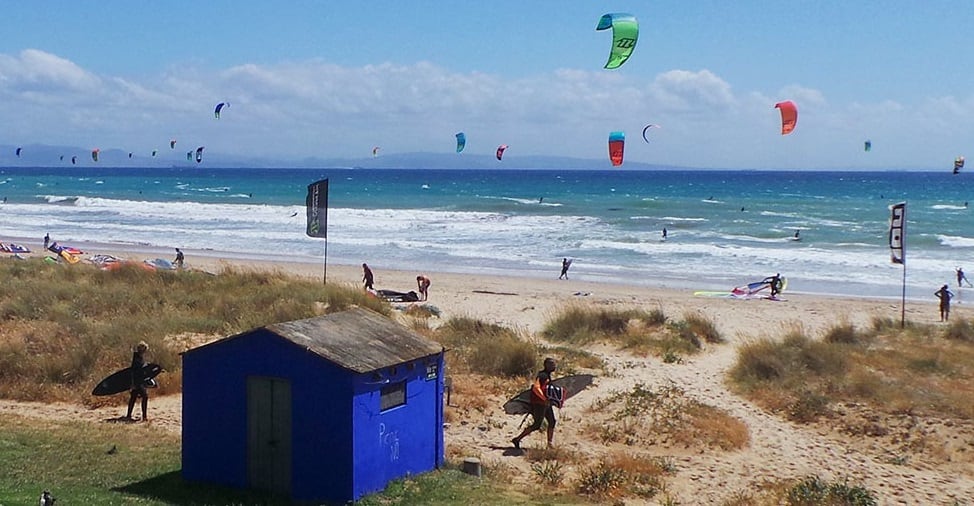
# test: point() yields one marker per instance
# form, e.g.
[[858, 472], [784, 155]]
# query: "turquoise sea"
[[725, 228]]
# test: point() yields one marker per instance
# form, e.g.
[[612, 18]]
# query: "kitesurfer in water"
[[664, 233], [944, 294], [367, 277], [541, 409], [139, 381], [565, 264], [423, 283]]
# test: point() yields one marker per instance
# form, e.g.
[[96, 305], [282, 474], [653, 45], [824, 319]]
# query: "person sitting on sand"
[[139, 381], [944, 295], [178, 262], [423, 283], [367, 277], [541, 409]]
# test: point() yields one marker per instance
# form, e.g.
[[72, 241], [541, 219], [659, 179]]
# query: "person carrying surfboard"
[[541, 409], [138, 380]]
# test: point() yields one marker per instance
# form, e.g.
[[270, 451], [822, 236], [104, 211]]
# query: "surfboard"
[[520, 404], [120, 381]]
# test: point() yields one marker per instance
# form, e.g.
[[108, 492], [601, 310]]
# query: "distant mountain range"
[[41, 155]]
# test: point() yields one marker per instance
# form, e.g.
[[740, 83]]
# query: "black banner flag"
[[897, 233], [317, 204]]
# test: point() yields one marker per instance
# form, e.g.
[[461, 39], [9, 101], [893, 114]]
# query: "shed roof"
[[357, 339]]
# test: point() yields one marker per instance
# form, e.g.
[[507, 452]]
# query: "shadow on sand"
[[171, 488]]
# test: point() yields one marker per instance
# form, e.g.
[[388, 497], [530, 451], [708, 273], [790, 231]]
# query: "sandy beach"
[[778, 448]]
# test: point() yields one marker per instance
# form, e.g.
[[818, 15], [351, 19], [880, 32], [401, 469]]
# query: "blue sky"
[[334, 79]]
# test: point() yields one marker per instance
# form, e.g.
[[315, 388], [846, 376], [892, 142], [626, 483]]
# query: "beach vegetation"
[[62, 330], [643, 417], [485, 348], [623, 474], [918, 370], [636, 330]]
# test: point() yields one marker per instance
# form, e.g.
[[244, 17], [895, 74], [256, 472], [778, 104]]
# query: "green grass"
[[72, 460], [64, 329]]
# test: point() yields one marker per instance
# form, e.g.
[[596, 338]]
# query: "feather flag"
[[897, 233]]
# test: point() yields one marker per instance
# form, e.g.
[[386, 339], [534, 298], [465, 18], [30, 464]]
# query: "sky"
[[333, 79]]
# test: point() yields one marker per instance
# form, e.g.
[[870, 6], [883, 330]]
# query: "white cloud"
[[293, 110]]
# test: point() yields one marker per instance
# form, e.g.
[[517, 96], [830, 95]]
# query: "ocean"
[[724, 228]]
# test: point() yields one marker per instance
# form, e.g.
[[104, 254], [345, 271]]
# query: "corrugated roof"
[[358, 339]]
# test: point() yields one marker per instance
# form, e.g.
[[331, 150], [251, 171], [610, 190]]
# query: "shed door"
[[269, 434]]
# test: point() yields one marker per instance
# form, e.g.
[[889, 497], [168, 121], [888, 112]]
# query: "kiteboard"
[[520, 404], [69, 257], [121, 381]]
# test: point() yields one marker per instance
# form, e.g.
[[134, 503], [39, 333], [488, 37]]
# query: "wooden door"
[[269, 434]]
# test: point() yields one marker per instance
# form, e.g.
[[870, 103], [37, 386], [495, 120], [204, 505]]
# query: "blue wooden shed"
[[324, 409]]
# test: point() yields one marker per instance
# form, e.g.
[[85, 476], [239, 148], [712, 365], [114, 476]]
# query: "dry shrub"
[[844, 333], [643, 417], [579, 324], [624, 474], [960, 330], [486, 348]]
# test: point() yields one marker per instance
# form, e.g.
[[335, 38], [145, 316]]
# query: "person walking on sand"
[[962, 278], [565, 264], [47, 240], [367, 277], [423, 283], [139, 381], [178, 262], [944, 295], [541, 410]]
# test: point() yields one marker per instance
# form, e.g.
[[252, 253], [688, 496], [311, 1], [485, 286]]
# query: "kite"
[[61, 158], [189, 156], [130, 155], [789, 116], [868, 145], [74, 160], [500, 151], [617, 144], [172, 144], [646, 129], [375, 151], [219, 107], [94, 154], [625, 31], [958, 164], [461, 141], [18, 152], [154, 151], [199, 154]]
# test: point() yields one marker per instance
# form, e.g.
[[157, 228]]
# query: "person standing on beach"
[[541, 410], [962, 278], [423, 283], [178, 262], [47, 240], [565, 264], [139, 381], [944, 295], [367, 277]]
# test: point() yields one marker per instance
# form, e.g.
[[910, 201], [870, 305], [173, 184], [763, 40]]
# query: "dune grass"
[[920, 369], [636, 330], [64, 329]]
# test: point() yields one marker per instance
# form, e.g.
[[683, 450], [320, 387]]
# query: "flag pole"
[[324, 269], [903, 300], [897, 246]]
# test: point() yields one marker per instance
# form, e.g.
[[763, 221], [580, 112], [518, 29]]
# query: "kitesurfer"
[[774, 282], [797, 234], [138, 381], [565, 264], [178, 262], [664, 233], [423, 283], [962, 278], [944, 294], [541, 409], [367, 277]]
